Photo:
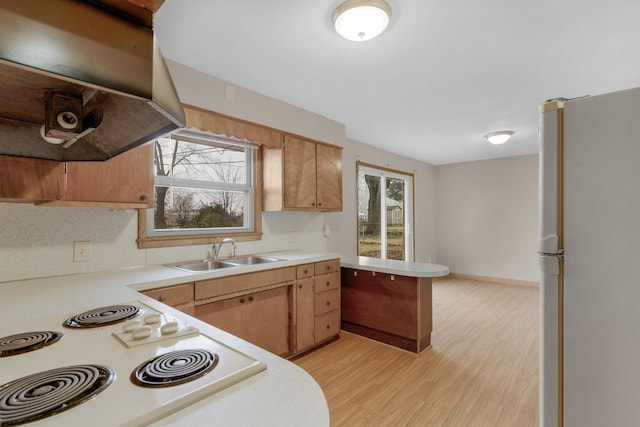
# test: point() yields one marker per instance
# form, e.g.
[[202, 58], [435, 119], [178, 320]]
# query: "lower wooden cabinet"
[[261, 318], [284, 310], [318, 303], [305, 323], [327, 326], [393, 309]]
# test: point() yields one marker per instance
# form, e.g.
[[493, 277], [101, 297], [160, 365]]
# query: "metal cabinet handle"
[[161, 298]]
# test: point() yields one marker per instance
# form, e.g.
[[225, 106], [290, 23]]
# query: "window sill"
[[193, 239]]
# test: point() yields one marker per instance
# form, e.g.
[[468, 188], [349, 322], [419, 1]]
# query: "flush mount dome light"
[[360, 20], [499, 137]]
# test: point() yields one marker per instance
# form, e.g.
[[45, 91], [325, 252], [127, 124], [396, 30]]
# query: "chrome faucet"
[[215, 249]]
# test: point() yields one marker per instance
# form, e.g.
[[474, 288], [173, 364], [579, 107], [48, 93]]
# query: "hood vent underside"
[[90, 80]]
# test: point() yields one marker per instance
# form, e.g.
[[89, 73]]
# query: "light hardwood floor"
[[481, 369]]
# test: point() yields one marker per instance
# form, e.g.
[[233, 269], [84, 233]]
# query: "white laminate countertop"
[[282, 395], [390, 266]]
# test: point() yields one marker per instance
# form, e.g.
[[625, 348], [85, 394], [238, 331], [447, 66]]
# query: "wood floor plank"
[[481, 369]]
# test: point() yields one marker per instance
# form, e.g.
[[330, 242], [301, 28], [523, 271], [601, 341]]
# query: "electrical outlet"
[[81, 251], [292, 237]]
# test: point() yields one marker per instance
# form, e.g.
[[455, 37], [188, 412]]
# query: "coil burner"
[[173, 368], [102, 316], [47, 393], [27, 341]]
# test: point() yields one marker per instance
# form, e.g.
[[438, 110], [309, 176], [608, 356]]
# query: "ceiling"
[[443, 74]]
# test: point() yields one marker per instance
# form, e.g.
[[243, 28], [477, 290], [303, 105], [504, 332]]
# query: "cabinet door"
[[304, 314], [262, 318], [126, 179], [327, 326], [23, 179], [299, 160], [173, 295], [267, 320], [329, 177], [227, 315]]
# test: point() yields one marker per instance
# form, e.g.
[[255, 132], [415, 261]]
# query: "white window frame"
[[384, 173], [196, 136]]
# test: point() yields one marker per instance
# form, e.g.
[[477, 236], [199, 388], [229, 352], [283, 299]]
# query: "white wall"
[[488, 217]]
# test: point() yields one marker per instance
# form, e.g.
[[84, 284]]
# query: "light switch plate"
[[81, 251]]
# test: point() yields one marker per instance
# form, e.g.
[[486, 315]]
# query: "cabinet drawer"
[[326, 302], [327, 325], [242, 282], [304, 270], [172, 295], [327, 266], [326, 282]]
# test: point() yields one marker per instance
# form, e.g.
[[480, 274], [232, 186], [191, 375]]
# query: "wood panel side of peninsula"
[[390, 308]]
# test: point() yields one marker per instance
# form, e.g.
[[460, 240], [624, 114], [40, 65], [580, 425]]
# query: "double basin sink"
[[214, 264]]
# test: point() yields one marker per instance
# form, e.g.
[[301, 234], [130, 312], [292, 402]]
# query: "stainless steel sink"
[[251, 260], [205, 265], [208, 265]]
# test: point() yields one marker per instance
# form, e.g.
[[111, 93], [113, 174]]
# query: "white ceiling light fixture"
[[499, 137], [360, 20]]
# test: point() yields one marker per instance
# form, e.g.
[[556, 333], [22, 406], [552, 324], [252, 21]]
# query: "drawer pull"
[[328, 303], [328, 327], [299, 285], [328, 283], [161, 298], [251, 298], [242, 300], [306, 271]]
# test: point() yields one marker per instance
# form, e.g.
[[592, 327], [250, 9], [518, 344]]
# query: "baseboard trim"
[[494, 280]]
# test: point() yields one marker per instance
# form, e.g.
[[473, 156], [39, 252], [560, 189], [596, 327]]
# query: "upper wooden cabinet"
[[30, 180], [302, 175], [125, 181]]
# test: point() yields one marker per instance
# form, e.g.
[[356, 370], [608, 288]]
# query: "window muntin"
[[203, 185], [385, 218]]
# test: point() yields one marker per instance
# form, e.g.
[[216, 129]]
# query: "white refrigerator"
[[589, 252]]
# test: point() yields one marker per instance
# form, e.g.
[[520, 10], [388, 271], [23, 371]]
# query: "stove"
[[126, 372]]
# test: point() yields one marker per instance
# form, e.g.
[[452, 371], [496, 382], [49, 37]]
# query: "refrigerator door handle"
[[548, 244]]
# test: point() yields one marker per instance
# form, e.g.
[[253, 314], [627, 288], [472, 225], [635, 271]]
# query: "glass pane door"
[[369, 216], [395, 205], [385, 213]]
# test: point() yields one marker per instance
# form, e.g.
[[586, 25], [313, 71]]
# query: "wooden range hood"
[[88, 73]]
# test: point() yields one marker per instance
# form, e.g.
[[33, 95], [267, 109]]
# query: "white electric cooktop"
[[123, 403]]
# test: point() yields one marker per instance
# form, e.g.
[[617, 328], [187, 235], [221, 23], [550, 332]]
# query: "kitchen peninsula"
[[389, 300]]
